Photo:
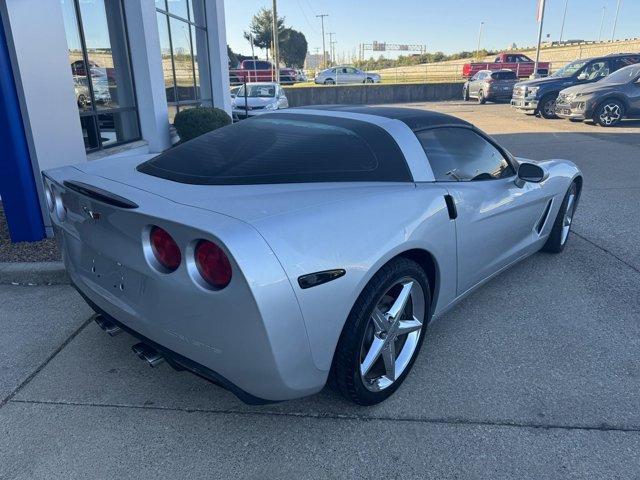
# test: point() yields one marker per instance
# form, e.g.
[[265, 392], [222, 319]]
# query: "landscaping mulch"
[[42, 251]]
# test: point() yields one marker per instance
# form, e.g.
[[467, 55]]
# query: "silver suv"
[[490, 85]]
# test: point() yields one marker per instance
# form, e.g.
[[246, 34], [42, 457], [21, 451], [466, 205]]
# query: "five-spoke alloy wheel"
[[383, 333], [610, 113]]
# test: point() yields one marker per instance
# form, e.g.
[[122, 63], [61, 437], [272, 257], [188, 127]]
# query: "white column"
[[146, 58], [38, 45], [218, 58]]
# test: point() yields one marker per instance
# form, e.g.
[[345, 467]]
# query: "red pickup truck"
[[519, 63], [259, 71]]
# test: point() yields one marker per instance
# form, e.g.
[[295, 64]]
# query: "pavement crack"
[[454, 421], [591, 242], [31, 376]]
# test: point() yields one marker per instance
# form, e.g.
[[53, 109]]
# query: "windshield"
[[258, 91], [624, 75], [570, 69]]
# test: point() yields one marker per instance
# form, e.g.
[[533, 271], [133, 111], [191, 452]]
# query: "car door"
[[496, 219], [474, 85]]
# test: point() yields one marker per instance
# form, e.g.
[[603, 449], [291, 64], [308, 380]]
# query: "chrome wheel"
[[568, 214], [611, 113], [392, 334]]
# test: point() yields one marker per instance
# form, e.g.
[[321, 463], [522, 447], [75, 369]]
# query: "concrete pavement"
[[536, 375]]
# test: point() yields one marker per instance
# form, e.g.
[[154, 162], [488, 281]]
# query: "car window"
[[595, 70], [263, 65], [266, 150], [504, 75], [351, 70], [460, 154], [622, 62], [497, 60]]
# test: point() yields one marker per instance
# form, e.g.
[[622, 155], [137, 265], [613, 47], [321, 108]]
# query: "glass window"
[[266, 149], [460, 154], [595, 70], [504, 75], [101, 69], [185, 55]]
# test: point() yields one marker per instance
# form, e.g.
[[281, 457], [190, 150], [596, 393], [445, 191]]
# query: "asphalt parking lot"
[[536, 375]]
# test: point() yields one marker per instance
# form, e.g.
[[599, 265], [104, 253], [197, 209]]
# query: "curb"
[[33, 273]]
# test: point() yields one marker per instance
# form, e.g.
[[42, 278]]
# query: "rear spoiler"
[[99, 194]]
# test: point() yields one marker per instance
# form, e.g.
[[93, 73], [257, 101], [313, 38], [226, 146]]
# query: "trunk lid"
[[248, 203]]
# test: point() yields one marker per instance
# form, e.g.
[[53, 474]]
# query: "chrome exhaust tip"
[[107, 325], [148, 354]]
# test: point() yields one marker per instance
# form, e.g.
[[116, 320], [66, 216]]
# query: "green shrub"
[[193, 122]]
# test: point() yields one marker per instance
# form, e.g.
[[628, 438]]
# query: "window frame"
[[94, 112], [513, 163], [199, 98]]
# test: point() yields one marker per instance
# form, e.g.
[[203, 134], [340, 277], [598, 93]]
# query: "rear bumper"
[[251, 334], [177, 359]]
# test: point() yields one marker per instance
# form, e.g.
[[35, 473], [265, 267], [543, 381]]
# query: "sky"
[[448, 26]]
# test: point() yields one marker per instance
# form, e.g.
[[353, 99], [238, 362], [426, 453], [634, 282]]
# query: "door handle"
[[451, 207]]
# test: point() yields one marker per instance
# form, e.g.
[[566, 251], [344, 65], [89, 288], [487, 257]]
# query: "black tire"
[[465, 94], [82, 101], [345, 370], [481, 98], [368, 80], [329, 81], [557, 240], [547, 106], [609, 113]]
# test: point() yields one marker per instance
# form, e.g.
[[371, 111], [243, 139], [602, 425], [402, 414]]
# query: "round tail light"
[[165, 249], [213, 264]]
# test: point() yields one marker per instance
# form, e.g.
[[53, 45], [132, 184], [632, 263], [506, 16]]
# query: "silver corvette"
[[306, 246]]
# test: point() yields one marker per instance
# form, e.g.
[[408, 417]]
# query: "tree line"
[[292, 44], [406, 60]]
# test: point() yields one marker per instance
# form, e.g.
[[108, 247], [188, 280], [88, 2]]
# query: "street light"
[[479, 37], [615, 20], [564, 16], [604, 9]]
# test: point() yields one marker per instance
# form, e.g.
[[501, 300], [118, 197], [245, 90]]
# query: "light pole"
[[564, 16], [276, 49], [479, 38], [331, 42], [604, 9], [324, 50], [541, 5], [615, 20]]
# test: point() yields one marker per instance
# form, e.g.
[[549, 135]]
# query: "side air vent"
[[543, 218], [99, 194]]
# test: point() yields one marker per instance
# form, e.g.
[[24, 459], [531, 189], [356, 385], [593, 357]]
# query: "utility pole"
[[276, 49], [332, 46], [604, 9], [331, 43], [479, 37], [324, 50], [615, 20], [564, 16], [541, 5]]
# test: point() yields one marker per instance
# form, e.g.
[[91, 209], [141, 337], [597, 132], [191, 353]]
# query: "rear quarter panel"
[[359, 235]]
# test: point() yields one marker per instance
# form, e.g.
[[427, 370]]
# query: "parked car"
[[234, 256], [260, 71], [490, 85], [539, 96], [260, 97], [345, 75], [300, 75], [518, 62], [606, 102]]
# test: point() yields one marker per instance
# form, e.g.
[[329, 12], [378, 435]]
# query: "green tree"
[[261, 28], [293, 47], [233, 58]]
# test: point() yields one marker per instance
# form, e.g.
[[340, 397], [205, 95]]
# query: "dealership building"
[[82, 80]]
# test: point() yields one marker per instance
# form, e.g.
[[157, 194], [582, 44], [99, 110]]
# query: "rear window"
[[504, 76], [285, 148]]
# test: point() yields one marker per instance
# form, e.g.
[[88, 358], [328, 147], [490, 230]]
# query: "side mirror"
[[530, 172]]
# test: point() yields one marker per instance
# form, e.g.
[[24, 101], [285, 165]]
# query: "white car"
[[261, 97], [345, 75]]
